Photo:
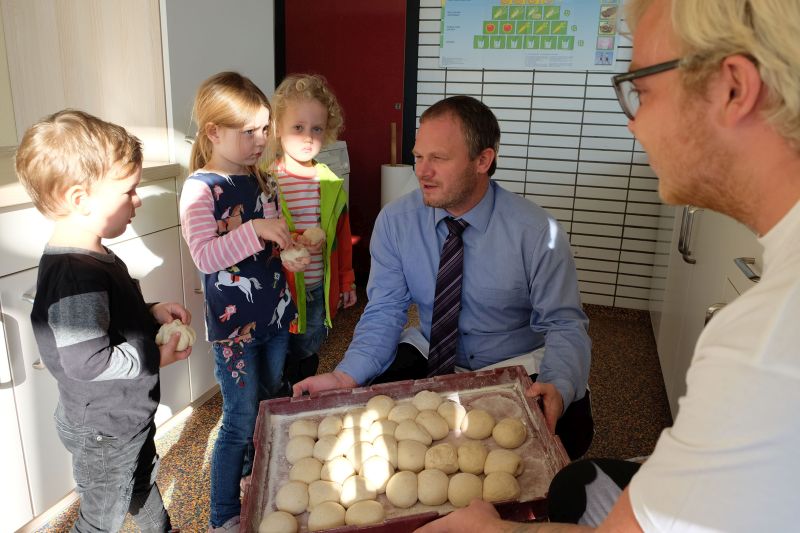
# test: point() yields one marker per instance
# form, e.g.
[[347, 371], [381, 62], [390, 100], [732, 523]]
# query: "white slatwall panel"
[[565, 145]]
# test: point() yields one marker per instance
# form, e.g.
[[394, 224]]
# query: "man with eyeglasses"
[[713, 95]]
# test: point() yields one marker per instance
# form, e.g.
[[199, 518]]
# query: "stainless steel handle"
[[682, 233], [712, 310], [38, 365], [29, 296], [198, 291], [743, 264], [688, 219]]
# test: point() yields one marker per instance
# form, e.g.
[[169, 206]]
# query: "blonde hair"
[[72, 148], [298, 87], [763, 30], [227, 100]]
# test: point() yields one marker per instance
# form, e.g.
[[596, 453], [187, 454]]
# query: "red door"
[[358, 45]]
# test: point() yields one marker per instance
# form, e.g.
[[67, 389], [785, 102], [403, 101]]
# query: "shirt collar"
[[477, 217]]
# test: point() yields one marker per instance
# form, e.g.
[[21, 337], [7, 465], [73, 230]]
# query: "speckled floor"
[[630, 409]]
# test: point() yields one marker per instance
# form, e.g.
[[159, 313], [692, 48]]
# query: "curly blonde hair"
[[298, 87], [763, 30]]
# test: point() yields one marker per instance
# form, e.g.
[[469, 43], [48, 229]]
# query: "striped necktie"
[[447, 302]]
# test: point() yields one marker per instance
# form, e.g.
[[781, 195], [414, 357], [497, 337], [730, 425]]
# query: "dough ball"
[[472, 456], [364, 513], [359, 418], [382, 427], [292, 497], [306, 470], [503, 461], [313, 236], [442, 457], [330, 425], [464, 488], [426, 399], [401, 491], [478, 424], [355, 489], [299, 448], [410, 430], [452, 412], [188, 336], [320, 491], [500, 486], [432, 487], [324, 448], [433, 424], [326, 515], [411, 455], [403, 411], [295, 253], [303, 427], [360, 452], [349, 436], [337, 469], [278, 522], [509, 433], [381, 405], [386, 447], [377, 471]]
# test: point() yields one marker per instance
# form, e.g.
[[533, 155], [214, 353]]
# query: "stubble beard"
[[467, 183]]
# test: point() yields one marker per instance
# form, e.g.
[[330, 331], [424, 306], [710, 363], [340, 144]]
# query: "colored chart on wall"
[[526, 34]]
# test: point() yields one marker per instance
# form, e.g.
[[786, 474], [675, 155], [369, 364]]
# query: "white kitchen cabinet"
[[8, 128], [690, 289]]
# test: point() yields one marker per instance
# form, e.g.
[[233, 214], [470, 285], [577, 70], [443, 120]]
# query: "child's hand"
[[166, 312], [311, 246], [298, 265], [168, 353], [348, 298], [273, 229]]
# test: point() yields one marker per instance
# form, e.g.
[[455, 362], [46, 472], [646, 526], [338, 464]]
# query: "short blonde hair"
[[298, 87], [763, 30], [72, 148]]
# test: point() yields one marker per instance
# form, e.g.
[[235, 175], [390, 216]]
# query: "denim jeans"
[[307, 344], [114, 476], [247, 374]]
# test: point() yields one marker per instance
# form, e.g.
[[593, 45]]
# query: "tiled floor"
[[630, 410]]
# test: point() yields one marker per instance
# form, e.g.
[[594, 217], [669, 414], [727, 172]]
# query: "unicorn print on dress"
[[277, 315], [230, 278]]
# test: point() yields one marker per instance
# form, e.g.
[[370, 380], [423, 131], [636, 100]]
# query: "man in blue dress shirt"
[[520, 302]]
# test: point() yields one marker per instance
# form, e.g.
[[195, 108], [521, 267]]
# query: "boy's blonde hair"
[[766, 31], [70, 148], [299, 87], [227, 100]]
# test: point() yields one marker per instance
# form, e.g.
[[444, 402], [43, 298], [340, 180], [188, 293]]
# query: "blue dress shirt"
[[519, 291]]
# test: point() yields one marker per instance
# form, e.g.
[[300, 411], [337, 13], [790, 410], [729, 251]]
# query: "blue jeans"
[[307, 344], [114, 476], [247, 374]]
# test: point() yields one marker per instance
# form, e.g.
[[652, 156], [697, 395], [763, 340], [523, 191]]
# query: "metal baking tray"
[[500, 391]]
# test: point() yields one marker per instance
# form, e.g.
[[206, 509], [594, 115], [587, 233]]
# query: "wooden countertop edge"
[[14, 194]]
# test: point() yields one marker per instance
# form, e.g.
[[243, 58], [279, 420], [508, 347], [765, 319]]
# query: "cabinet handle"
[[743, 264], [29, 296], [38, 365], [712, 310], [684, 243]]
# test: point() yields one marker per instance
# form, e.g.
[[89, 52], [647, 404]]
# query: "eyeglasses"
[[626, 91]]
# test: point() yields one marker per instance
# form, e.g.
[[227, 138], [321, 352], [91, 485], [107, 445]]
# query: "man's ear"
[[484, 160], [212, 132], [77, 199], [740, 87]]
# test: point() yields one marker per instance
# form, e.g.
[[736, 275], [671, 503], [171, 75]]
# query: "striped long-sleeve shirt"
[[301, 195]]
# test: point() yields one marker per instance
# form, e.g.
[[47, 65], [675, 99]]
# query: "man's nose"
[[421, 168]]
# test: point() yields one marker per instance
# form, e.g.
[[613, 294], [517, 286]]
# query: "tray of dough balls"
[[394, 456]]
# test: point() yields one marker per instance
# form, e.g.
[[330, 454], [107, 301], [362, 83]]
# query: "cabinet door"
[[15, 509], [155, 261], [48, 464]]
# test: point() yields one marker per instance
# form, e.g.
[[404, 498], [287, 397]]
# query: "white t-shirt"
[[731, 462]]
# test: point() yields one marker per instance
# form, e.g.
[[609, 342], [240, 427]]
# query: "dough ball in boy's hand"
[[295, 253], [313, 236], [188, 335]]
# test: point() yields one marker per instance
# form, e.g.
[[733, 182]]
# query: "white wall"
[[565, 146], [204, 37]]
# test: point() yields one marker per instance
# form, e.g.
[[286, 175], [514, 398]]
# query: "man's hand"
[[478, 517], [552, 402], [166, 312], [323, 382], [349, 298], [168, 353]]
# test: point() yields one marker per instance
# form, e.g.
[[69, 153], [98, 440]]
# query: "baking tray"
[[499, 391]]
